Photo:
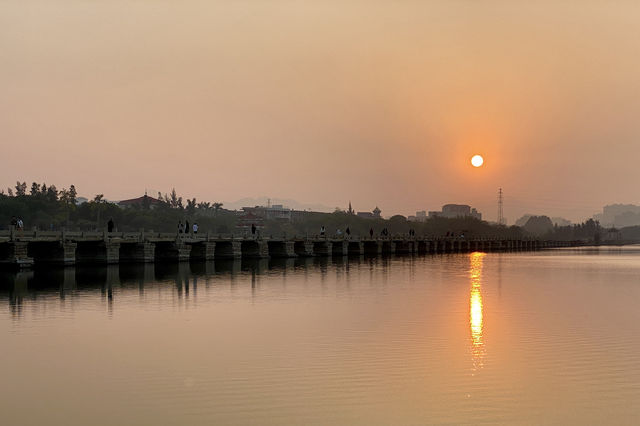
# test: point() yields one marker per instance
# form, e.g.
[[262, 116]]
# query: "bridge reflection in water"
[[476, 309], [112, 281]]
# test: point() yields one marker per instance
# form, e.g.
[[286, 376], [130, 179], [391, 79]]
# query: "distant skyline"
[[374, 102]]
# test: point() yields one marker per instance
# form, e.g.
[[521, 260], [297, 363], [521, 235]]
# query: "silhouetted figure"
[[347, 231], [20, 224], [14, 222], [322, 231], [180, 227], [371, 233], [253, 229], [186, 227], [110, 225], [195, 228]]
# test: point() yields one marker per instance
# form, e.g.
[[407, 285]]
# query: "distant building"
[[274, 212], [247, 219], [452, 211], [619, 215], [375, 214], [420, 216], [143, 201], [613, 234]]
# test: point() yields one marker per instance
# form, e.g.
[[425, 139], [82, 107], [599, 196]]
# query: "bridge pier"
[[137, 252], [15, 253], [373, 248], [403, 247], [303, 248], [339, 248], [322, 248], [98, 252], [61, 252], [173, 251], [282, 249], [205, 250], [228, 250], [255, 249], [355, 248], [421, 247], [388, 247]]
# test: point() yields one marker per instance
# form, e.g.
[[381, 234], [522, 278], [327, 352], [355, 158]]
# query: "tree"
[[174, 198], [191, 206], [98, 198], [10, 192], [73, 194], [35, 189], [21, 189], [52, 193], [217, 207]]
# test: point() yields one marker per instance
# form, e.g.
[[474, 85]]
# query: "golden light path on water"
[[475, 309]]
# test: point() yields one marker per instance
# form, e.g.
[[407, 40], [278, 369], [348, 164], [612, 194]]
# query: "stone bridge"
[[24, 249]]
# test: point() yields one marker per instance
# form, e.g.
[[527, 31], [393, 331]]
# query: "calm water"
[[516, 338]]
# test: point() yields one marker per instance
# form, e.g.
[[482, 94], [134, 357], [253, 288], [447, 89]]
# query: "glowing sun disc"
[[477, 160]]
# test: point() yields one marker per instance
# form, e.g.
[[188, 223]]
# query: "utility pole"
[[501, 220]]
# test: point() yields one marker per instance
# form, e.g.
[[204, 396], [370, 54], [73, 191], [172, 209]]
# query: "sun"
[[477, 160]]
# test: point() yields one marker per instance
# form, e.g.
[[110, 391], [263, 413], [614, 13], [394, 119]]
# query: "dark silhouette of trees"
[[21, 189]]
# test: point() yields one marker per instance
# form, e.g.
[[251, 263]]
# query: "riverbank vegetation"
[[45, 207]]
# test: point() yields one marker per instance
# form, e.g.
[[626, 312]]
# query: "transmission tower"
[[501, 220]]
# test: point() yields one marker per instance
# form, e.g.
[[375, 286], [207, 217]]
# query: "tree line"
[[44, 207], [47, 208]]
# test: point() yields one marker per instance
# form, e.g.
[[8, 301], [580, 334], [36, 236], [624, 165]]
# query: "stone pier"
[[228, 250], [403, 247], [355, 248], [373, 248], [61, 252], [98, 252], [205, 250], [303, 248], [15, 253], [322, 248], [388, 247], [137, 252], [256, 249], [339, 248], [282, 249], [173, 251]]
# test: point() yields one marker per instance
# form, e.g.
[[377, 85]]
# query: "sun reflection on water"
[[475, 309]]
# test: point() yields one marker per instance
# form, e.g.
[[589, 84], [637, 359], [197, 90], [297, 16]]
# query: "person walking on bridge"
[[187, 230], [110, 225], [371, 233], [322, 231], [195, 228]]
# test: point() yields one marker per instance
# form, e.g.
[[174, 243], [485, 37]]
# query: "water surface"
[[549, 337]]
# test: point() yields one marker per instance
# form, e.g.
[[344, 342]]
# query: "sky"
[[374, 102]]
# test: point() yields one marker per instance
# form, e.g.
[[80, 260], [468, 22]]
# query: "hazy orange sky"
[[378, 102]]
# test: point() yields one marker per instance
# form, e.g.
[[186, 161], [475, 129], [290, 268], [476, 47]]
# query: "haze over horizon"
[[381, 104]]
